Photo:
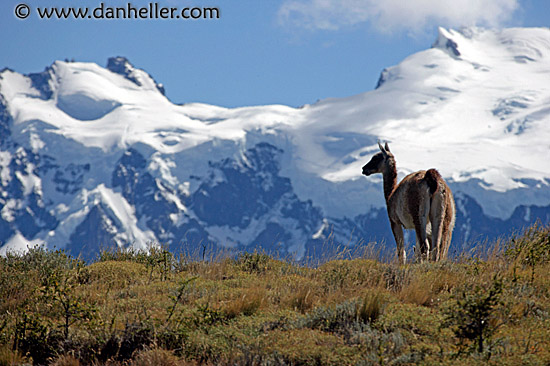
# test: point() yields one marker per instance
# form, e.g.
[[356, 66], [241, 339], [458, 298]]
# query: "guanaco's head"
[[379, 161]]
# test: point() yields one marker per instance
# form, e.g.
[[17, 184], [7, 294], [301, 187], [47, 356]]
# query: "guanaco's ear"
[[383, 150], [387, 147]]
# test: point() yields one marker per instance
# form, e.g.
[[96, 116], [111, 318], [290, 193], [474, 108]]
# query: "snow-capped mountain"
[[91, 156]]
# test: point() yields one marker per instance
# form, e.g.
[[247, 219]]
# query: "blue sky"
[[290, 52]]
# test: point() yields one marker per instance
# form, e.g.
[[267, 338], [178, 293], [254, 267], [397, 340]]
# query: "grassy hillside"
[[131, 308]]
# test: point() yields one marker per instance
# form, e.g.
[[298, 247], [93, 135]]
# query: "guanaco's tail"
[[433, 178]]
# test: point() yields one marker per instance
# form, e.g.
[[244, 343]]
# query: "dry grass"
[[246, 303], [371, 308], [9, 357], [131, 309], [417, 293], [301, 300], [156, 357], [66, 360]]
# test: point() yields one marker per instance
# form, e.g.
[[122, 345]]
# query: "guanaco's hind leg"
[[420, 227], [397, 230], [448, 226], [422, 242], [437, 216]]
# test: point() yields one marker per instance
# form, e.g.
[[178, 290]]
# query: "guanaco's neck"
[[390, 178]]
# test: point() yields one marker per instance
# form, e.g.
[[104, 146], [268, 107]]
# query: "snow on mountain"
[[91, 156]]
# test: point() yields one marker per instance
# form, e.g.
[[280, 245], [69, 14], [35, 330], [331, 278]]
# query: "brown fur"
[[432, 178], [421, 201]]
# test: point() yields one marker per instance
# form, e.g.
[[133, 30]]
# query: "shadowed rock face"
[[243, 203], [248, 189], [41, 81], [22, 205], [5, 120]]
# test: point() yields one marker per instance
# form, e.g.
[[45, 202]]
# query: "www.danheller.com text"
[[152, 10]]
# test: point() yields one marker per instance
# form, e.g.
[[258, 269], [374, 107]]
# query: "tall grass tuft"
[[247, 304], [370, 308], [66, 360], [155, 357], [9, 357]]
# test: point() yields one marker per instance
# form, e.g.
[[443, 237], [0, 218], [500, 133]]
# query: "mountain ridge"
[[87, 147]]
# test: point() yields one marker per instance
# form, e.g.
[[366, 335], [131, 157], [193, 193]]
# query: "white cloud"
[[395, 15]]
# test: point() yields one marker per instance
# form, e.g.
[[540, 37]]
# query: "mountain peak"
[[122, 66], [446, 42]]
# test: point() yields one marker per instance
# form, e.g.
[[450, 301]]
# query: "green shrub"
[[155, 258], [41, 261], [531, 248], [60, 294], [253, 262], [473, 317], [353, 314]]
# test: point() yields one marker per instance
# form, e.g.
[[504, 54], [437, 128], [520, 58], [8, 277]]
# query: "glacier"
[[94, 156]]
